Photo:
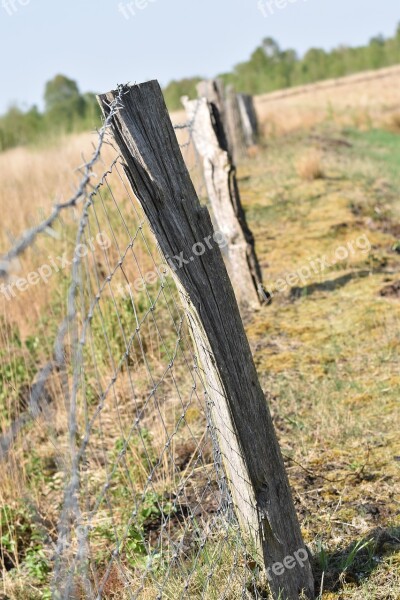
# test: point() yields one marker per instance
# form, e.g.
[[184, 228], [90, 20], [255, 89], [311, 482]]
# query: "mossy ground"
[[327, 348]]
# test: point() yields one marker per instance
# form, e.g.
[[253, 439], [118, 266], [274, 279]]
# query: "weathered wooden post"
[[226, 101], [249, 119], [223, 192], [214, 91], [252, 459], [234, 124]]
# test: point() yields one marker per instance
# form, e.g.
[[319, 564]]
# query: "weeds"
[[309, 167]]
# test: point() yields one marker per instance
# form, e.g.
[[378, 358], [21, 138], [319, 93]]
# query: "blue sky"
[[101, 43]]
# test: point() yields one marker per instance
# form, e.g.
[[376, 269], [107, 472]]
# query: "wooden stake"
[[249, 119], [223, 192]]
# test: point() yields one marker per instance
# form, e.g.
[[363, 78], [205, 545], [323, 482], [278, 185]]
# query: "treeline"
[[269, 68], [176, 89], [66, 111]]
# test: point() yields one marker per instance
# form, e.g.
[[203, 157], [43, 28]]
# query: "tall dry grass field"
[[370, 99]]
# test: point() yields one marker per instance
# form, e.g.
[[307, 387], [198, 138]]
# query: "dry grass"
[[393, 122], [34, 180], [309, 166], [363, 101]]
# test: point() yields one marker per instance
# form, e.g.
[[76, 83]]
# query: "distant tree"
[[65, 106], [65, 110], [286, 68], [18, 128], [377, 52], [176, 89], [92, 111], [393, 47], [314, 65], [33, 123], [271, 49], [270, 68], [252, 75], [11, 128]]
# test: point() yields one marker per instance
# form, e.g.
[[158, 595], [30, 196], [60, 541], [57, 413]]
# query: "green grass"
[[379, 146]]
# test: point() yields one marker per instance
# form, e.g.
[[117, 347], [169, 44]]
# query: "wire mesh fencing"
[[107, 431]]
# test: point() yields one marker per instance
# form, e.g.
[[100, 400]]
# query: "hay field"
[[370, 99]]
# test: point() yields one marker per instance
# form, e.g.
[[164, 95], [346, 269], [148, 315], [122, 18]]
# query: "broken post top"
[[213, 90], [143, 143]]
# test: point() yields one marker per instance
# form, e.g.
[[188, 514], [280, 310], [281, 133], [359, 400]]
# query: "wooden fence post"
[[223, 192], [214, 91], [249, 119], [226, 101], [252, 459], [234, 124]]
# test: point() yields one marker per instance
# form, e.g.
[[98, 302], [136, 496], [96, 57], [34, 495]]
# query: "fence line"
[[142, 503]]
